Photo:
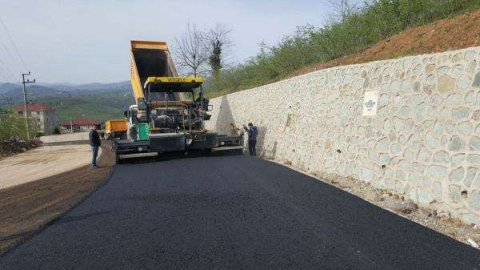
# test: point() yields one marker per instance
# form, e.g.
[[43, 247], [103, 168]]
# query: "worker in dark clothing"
[[252, 138], [94, 144]]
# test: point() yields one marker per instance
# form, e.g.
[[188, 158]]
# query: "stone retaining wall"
[[424, 141], [71, 137]]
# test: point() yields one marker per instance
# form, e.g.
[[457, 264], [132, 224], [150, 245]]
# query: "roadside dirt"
[[436, 220], [456, 33], [10, 148], [29, 207], [43, 162]]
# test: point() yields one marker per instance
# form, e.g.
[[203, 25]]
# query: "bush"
[[56, 130], [12, 126]]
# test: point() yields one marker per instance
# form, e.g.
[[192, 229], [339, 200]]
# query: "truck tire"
[[207, 152], [118, 160]]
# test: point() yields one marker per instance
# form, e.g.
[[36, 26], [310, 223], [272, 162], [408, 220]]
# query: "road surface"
[[232, 212]]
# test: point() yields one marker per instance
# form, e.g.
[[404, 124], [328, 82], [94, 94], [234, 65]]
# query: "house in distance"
[[78, 125], [43, 118]]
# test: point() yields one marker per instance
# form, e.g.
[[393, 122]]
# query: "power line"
[[10, 55], [8, 72], [3, 76], [14, 46]]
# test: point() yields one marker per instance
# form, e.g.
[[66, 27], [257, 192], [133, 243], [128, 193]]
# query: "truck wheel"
[[118, 160], [207, 152]]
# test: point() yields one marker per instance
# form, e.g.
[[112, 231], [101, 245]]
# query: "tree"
[[218, 43], [343, 8], [190, 50]]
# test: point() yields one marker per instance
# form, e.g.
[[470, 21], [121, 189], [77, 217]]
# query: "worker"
[[94, 144], [233, 130], [252, 138]]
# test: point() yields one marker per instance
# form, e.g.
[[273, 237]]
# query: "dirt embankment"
[[456, 33], [29, 207], [10, 148]]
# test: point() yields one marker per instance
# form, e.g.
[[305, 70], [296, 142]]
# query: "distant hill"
[[6, 87], [97, 101]]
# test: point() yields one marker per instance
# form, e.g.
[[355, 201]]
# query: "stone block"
[[471, 172], [437, 172], [476, 115], [424, 196], [470, 98], [430, 68], [399, 187], [424, 155], [383, 159], [457, 57], [456, 144], [446, 84], [472, 65], [421, 112], [457, 70], [399, 125], [465, 128], [415, 100], [476, 80], [437, 190], [418, 167], [438, 128], [401, 175], [441, 157], [473, 159], [367, 174], [463, 82], [431, 141], [475, 143], [474, 199], [457, 175], [461, 113], [409, 154], [454, 193], [382, 145], [454, 100], [415, 180]]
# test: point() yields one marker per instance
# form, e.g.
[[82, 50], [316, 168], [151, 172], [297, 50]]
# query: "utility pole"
[[24, 82]]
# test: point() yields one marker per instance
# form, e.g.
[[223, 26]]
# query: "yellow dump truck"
[[169, 111], [116, 129]]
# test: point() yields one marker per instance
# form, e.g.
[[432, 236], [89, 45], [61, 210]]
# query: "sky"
[[86, 41]]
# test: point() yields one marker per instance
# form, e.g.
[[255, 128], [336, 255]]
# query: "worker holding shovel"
[[252, 138]]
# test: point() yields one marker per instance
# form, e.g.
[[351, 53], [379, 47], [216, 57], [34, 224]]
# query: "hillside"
[[96, 101], [460, 32], [380, 29]]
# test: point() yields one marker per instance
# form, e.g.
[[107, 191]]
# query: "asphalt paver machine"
[[170, 112]]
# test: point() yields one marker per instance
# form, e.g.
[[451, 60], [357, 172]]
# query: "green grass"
[[97, 107]]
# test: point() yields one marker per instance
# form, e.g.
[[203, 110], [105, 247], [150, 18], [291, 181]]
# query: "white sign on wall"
[[370, 103]]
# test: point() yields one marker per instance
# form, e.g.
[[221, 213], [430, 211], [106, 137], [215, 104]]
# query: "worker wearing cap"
[[94, 144], [252, 138]]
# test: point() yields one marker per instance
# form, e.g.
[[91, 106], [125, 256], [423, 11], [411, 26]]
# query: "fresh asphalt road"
[[232, 212]]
